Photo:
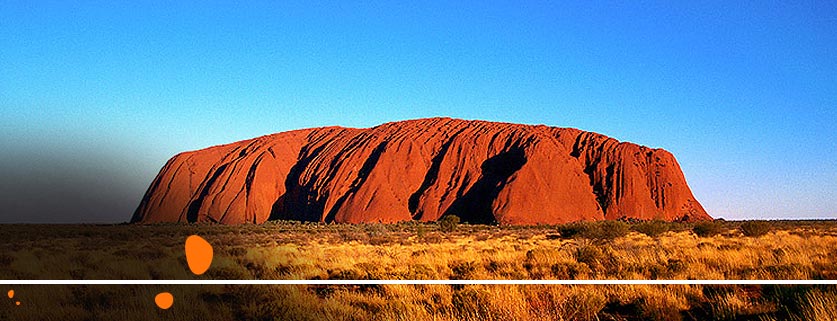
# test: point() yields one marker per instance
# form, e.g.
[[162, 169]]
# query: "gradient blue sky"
[[96, 96]]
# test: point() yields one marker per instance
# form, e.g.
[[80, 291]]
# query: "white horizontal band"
[[408, 282]]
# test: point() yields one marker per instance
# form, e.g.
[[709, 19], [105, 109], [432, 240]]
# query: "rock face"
[[483, 172]]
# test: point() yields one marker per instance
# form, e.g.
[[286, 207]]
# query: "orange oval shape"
[[198, 254], [164, 300], [11, 294]]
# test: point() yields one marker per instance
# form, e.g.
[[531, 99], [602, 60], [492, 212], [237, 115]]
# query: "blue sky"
[[103, 93]]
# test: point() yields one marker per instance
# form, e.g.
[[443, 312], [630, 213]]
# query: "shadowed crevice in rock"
[[299, 202], [362, 174], [251, 175], [429, 179], [476, 206], [576, 151], [598, 189], [195, 206]]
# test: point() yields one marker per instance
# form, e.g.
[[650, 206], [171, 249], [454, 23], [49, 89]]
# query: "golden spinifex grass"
[[679, 255], [426, 302], [286, 250]]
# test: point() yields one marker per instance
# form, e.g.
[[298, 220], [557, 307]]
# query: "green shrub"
[[420, 231], [589, 254], [449, 223], [571, 230], [707, 229], [605, 230], [609, 230], [755, 228], [651, 228]]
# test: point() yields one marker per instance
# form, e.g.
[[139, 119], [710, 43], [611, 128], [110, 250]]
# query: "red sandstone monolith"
[[483, 172]]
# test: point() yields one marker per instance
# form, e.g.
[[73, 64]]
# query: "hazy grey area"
[[70, 183]]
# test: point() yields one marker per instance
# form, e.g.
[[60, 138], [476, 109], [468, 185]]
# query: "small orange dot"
[[17, 303], [164, 300]]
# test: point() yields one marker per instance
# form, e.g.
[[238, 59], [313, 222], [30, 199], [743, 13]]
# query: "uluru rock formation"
[[483, 172]]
